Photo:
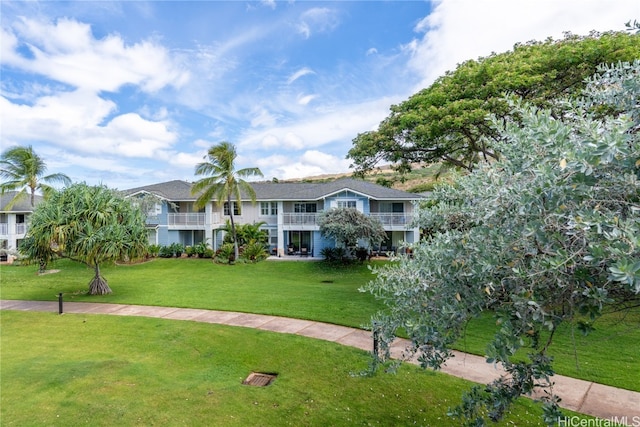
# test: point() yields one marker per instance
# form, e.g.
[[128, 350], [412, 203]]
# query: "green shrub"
[[200, 249], [154, 250], [177, 249], [254, 251], [226, 254], [165, 252], [329, 254]]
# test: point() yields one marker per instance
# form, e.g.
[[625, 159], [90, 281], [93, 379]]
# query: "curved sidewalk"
[[586, 397]]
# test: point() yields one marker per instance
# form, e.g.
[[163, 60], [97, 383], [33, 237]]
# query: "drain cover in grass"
[[259, 379]]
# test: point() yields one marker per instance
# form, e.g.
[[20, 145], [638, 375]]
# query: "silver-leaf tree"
[[547, 234]]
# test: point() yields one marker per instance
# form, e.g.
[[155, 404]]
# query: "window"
[[268, 208], [305, 208], [273, 236], [389, 207], [236, 208], [346, 204]]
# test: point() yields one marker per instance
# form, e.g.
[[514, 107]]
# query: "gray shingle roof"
[[176, 190], [23, 205], [181, 190]]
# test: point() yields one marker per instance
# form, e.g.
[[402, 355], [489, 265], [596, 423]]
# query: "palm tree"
[[24, 170], [222, 182]]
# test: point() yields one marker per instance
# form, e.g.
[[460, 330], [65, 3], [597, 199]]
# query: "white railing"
[[4, 229], [393, 219], [299, 218], [186, 219], [21, 228]]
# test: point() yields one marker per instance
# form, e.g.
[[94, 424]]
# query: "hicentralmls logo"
[[599, 422]]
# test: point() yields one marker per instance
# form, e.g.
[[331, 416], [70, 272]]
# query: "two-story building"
[[288, 211], [13, 221]]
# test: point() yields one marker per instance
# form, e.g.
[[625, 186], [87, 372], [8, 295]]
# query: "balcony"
[[309, 220], [300, 219], [20, 229], [186, 220], [402, 219], [194, 220]]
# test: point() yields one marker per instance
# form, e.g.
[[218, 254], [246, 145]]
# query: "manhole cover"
[[259, 379]]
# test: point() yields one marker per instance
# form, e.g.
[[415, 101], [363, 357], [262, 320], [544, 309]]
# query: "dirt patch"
[[48, 272]]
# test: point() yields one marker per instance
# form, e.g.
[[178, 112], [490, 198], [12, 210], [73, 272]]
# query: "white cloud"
[[306, 99], [316, 128], [66, 51], [262, 118], [310, 163], [76, 120], [458, 30], [301, 72], [372, 51], [185, 160], [293, 141], [269, 3], [318, 19]]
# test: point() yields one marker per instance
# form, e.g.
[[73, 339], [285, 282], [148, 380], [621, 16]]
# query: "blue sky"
[[132, 93]]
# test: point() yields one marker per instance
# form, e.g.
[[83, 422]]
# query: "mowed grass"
[[315, 291], [305, 290], [99, 370], [609, 355]]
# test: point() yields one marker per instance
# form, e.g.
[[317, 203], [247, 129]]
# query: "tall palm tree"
[[222, 182], [24, 170]]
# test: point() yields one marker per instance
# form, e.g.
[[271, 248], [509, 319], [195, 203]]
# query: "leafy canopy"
[[348, 225], [222, 182], [89, 224], [22, 169], [547, 234], [447, 122]]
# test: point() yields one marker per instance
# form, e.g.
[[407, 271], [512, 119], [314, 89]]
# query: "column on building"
[[281, 251], [208, 225]]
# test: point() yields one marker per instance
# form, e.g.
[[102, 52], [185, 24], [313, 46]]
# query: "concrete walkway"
[[604, 402]]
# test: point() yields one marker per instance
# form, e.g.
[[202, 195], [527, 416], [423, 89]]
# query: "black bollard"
[[376, 331], [60, 303]]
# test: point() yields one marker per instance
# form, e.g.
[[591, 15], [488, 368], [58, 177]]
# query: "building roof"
[[23, 205], [171, 190], [269, 191]]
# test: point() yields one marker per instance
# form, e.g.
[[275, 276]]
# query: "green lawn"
[[316, 291], [305, 290], [109, 370], [608, 355]]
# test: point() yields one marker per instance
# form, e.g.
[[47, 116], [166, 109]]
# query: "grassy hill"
[[422, 178]]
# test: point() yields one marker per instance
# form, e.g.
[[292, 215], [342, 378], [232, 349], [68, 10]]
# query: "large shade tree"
[[348, 225], [223, 183], [24, 171], [547, 235], [89, 224], [447, 122]]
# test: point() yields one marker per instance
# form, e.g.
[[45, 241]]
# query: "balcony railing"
[[186, 219], [387, 219], [195, 219], [299, 218], [393, 219], [21, 228]]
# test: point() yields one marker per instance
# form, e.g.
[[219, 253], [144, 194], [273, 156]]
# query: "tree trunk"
[[98, 285], [42, 265], [236, 250]]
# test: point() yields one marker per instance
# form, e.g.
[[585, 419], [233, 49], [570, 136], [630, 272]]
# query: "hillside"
[[420, 179]]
